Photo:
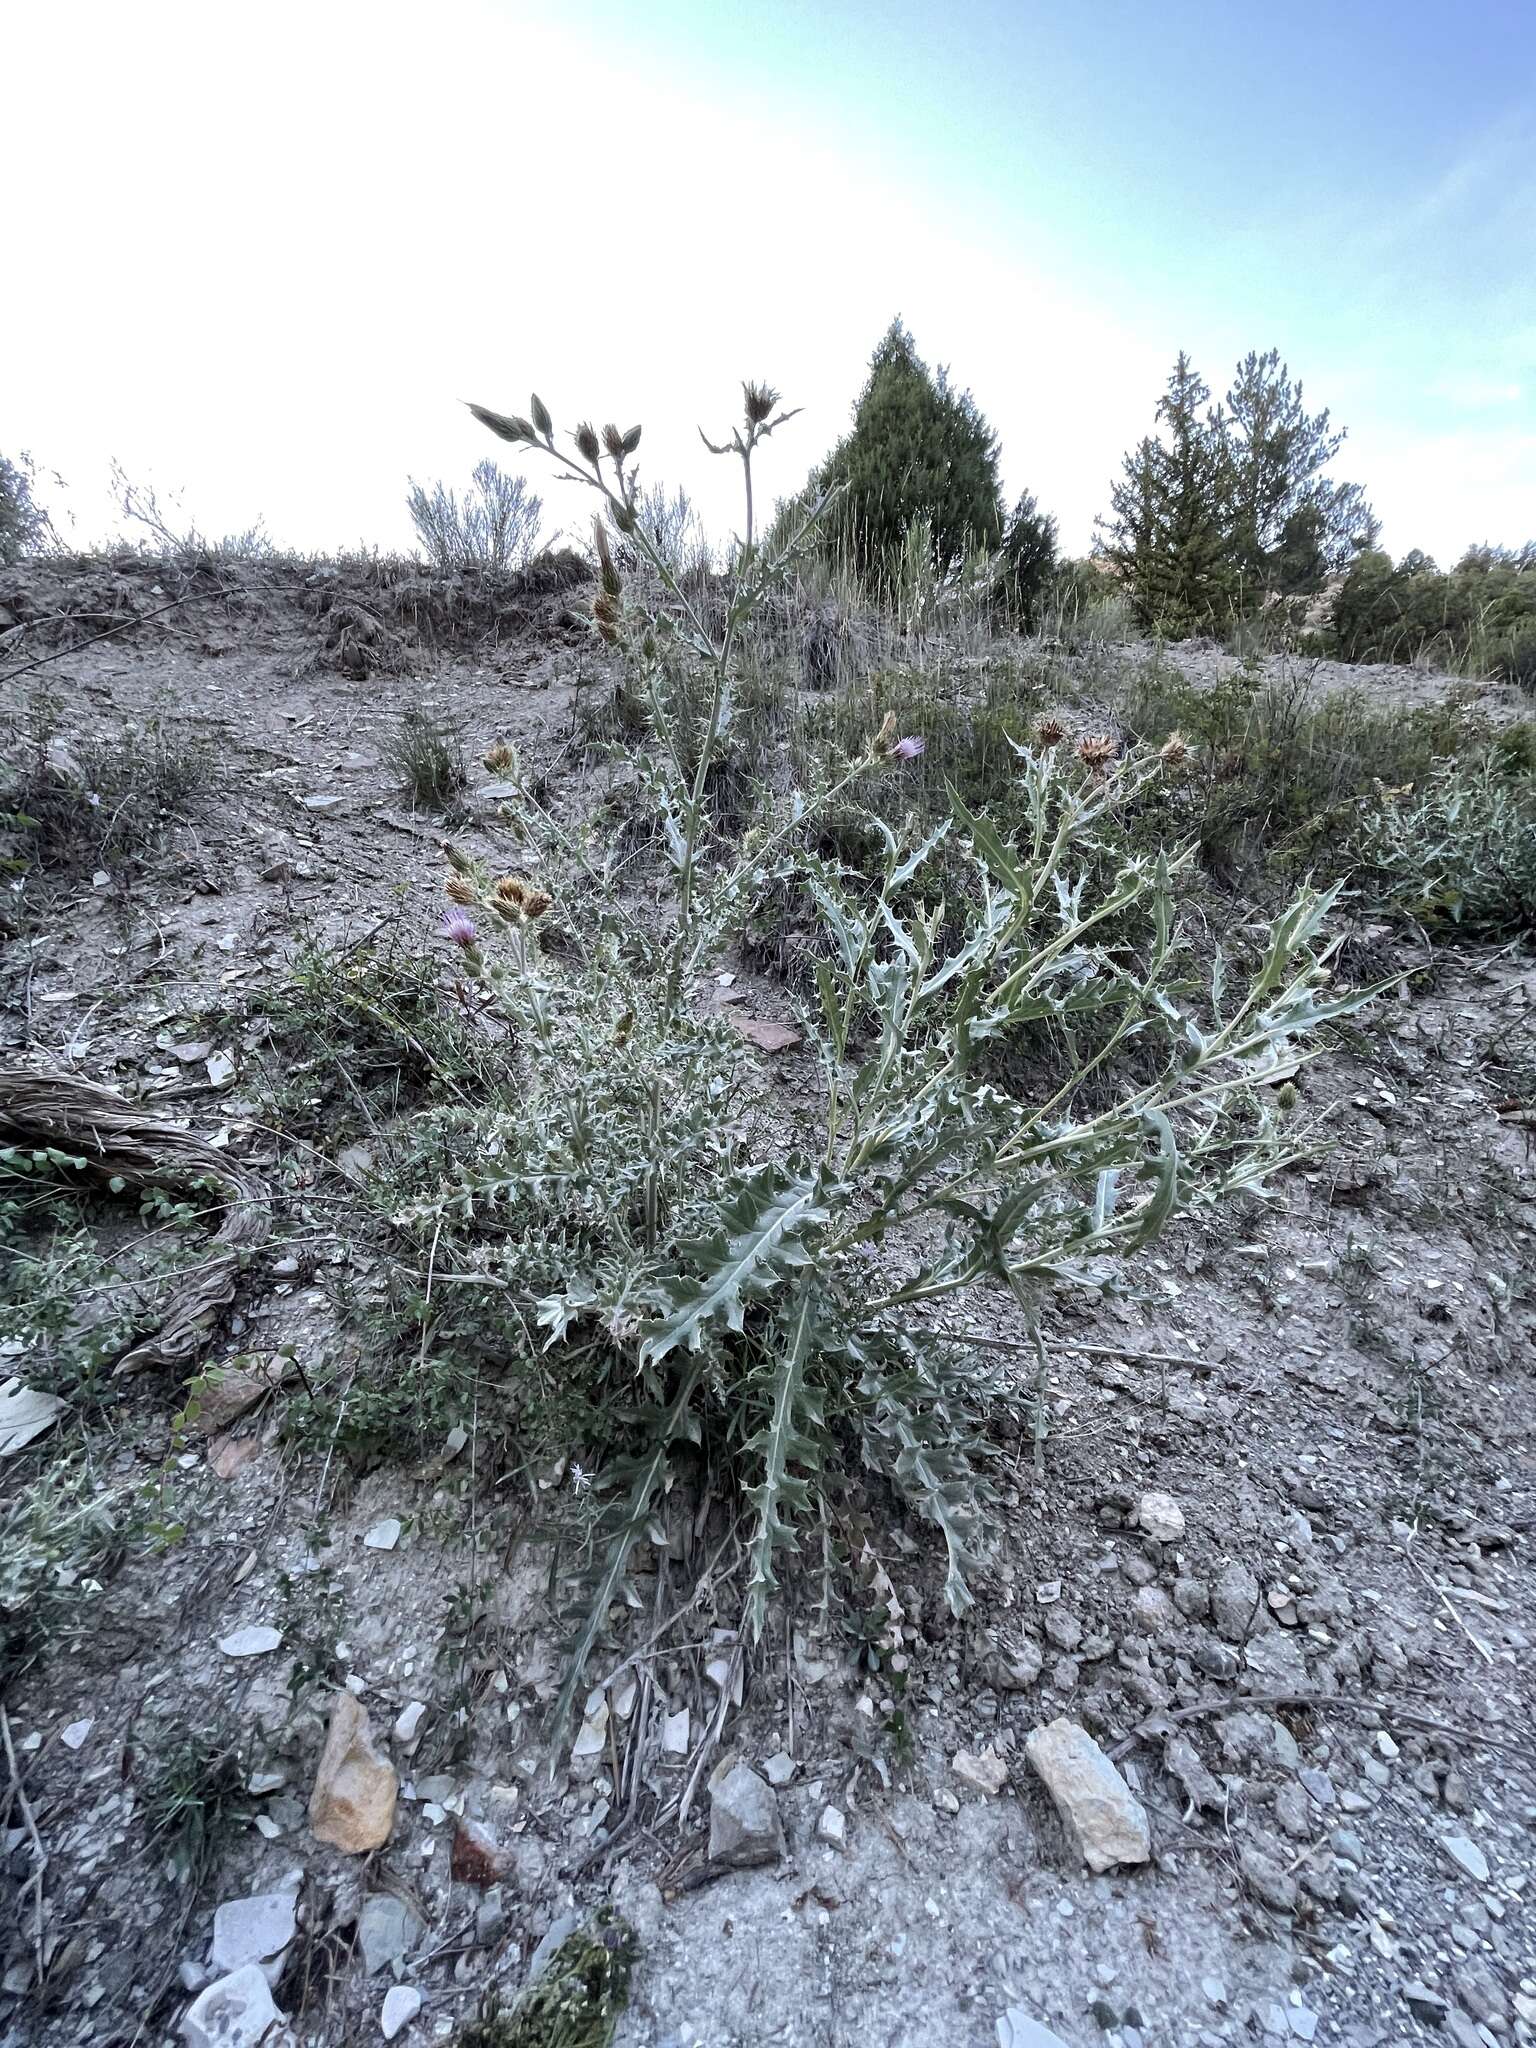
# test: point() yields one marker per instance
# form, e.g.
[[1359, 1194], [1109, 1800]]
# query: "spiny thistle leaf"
[[762, 1228], [779, 1442]]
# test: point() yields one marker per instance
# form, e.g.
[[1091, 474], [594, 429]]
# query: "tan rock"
[[353, 1804], [233, 1389], [1104, 1817]]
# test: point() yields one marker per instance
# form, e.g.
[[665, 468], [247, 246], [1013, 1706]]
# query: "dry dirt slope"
[[1320, 1689]]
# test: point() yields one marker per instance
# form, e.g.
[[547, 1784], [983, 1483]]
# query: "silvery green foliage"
[[1459, 849], [784, 1308]]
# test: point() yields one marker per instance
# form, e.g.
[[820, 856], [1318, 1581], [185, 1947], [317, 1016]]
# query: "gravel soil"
[[1317, 1681]]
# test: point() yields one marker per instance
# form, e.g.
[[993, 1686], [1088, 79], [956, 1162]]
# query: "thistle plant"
[[769, 1300], [671, 644]]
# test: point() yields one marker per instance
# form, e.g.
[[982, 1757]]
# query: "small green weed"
[[428, 758], [578, 2001], [194, 1800]]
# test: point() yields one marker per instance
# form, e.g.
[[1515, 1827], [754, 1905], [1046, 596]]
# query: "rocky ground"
[[1242, 1744]]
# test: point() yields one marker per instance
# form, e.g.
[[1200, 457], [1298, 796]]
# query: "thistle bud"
[[631, 440], [587, 443], [760, 400], [624, 517], [458, 890], [459, 862], [541, 418], [510, 426], [607, 572], [613, 441]]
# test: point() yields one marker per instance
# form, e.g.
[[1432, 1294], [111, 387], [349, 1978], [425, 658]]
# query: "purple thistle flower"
[[908, 749], [459, 926]]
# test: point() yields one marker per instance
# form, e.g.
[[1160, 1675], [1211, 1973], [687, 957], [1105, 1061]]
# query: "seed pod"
[[508, 425]]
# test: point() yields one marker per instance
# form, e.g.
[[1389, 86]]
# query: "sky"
[[260, 256]]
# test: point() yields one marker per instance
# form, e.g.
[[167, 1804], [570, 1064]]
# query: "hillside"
[[1257, 1510]]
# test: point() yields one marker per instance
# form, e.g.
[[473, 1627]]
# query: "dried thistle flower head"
[[459, 890], [1050, 732], [500, 757], [887, 733], [1174, 750], [760, 399], [518, 900], [1097, 749]]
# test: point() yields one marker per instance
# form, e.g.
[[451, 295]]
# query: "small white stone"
[[778, 1770], [832, 1828], [408, 1721], [256, 1641], [235, 2012], [75, 1733], [1160, 1517], [1464, 1851], [383, 1535], [253, 1930], [402, 2002], [985, 1772], [592, 1739], [674, 1734]]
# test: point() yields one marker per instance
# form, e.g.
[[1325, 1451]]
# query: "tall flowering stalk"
[[650, 637]]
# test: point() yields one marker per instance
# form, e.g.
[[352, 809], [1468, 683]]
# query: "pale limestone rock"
[[1108, 1823]]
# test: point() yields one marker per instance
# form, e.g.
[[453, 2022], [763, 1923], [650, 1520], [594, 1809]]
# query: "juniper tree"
[[1026, 562], [24, 525], [918, 449], [1169, 533], [1289, 521]]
